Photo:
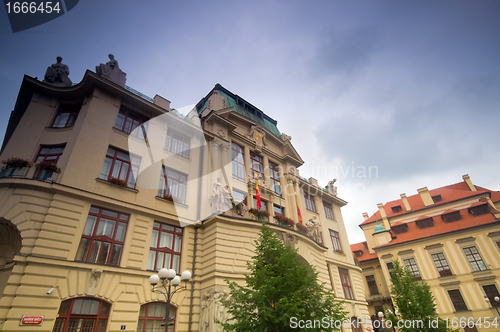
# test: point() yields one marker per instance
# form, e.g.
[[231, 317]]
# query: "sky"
[[385, 96]]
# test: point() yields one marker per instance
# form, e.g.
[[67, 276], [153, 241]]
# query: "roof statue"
[[57, 74], [111, 71]]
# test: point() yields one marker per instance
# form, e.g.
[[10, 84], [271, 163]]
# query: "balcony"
[[45, 175], [14, 172]]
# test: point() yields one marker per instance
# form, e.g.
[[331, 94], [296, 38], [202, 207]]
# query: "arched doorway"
[[82, 315], [152, 317], [10, 245]]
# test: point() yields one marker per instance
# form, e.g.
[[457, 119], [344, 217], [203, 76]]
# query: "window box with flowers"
[[284, 221], [14, 167], [46, 171], [118, 182], [259, 214], [169, 198], [303, 228]]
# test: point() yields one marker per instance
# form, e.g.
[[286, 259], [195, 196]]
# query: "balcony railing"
[[45, 175], [14, 172]]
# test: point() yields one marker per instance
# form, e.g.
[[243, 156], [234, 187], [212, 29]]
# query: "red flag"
[[298, 208], [257, 195]]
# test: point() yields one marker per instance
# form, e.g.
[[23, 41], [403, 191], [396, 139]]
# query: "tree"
[[414, 301], [280, 290]]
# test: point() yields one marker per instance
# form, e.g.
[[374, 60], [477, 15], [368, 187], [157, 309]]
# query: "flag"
[[257, 195], [298, 208]]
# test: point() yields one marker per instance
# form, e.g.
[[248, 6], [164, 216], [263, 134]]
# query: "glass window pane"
[[103, 257], [95, 250], [175, 263], [77, 306], [110, 213], [120, 232], [82, 249], [166, 240], [178, 243], [154, 239], [151, 260], [160, 261], [94, 307], [116, 169], [119, 121], [89, 225], [115, 255]]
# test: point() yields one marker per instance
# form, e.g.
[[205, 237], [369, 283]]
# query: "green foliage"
[[414, 301], [278, 288]]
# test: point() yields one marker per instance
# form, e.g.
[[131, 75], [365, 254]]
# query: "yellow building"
[[449, 237], [110, 196]]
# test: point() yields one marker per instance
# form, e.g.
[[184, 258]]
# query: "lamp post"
[[162, 283], [495, 305]]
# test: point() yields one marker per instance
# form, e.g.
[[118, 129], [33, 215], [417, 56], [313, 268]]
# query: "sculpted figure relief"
[[57, 74], [221, 199], [315, 229], [331, 188], [212, 310], [111, 71]]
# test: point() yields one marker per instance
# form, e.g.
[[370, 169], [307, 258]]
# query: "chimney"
[[469, 183], [405, 202], [365, 215], [162, 102], [384, 216], [426, 196]]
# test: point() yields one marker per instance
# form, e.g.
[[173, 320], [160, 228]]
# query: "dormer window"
[[479, 210], [400, 229], [358, 253], [425, 223], [451, 216], [437, 198], [396, 209]]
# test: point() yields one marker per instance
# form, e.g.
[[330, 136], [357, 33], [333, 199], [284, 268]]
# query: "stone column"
[[267, 176]]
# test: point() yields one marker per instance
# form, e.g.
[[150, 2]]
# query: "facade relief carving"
[[212, 310], [221, 200], [285, 137], [288, 239], [315, 229], [57, 74], [111, 71], [95, 277], [258, 136]]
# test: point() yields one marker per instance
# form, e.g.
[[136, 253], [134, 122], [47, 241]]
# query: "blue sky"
[[409, 87]]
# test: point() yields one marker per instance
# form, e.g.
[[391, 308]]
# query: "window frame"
[[100, 217], [67, 315], [457, 300], [133, 162], [328, 210], [177, 235], [274, 178], [238, 162], [372, 284], [470, 255], [345, 281], [310, 204], [39, 173], [490, 291], [72, 109], [134, 118], [174, 136], [158, 319], [166, 189], [255, 159], [411, 264], [443, 269], [336, 243]]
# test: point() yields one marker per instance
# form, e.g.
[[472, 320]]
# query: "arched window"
[[152, 317], [82, 315]]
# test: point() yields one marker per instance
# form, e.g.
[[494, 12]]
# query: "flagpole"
[[281, 209]]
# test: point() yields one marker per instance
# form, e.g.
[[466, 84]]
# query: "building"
[[449, 237], [116, 185]]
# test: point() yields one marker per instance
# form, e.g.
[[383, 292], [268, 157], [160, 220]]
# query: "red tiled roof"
[[441, 227], [448, 194], [366, 254]]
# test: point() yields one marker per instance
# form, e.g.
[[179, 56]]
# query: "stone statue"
[[212, 310], [331, 188], [57, 74], [221, 199], [288, 239], [285, 137], [242, 209], [95, 277], [111, 71], [315, 229]]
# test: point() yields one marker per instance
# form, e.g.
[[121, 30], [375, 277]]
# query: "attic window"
[[400, 229], [479, 210], [437, 198], [425, 223], [358, 253], [396, 209], [451, 217]]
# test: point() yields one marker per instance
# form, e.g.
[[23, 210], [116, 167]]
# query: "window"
[[396, 209], [310, 202], [120, 165], [346, 283], [441, 264], [66, 116], [372, 285], [238, 164], [275, 178], [479, 210], [177, 143], [400, 229], [451, 216], [173, 183], [335, 241], [47, 154], [425, 223], [262, 203], [328, 210], [457, 299], [102, 238], [256, 165], [152, 315], [437, 198], [165, 248], [412, 266], [491, 292], [128, 121], [356, 324], [279, 210], [390, 266], [475, 259], [239, 196], [82, 314]]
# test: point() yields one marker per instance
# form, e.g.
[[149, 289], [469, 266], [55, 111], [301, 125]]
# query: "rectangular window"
[[441, 264], [173, 183], [425, 223], [346, 283], [275, 178], [279, 210], [328, 210], [475, 259], [479, 210], [335, 241], [451, 216], [177, 143], [390, 266], [103, 236], [372, 285], [165, 247], [239, 196], [412, 266], [491, 292], [47, 154], [120, 165], [238, 164], [457, 300], [66, 116], [131, 123], [256, 165], [262, 203], [310, 202]]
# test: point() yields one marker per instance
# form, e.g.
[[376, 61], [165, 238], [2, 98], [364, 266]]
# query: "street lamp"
[[495, 305], [162, 283]]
